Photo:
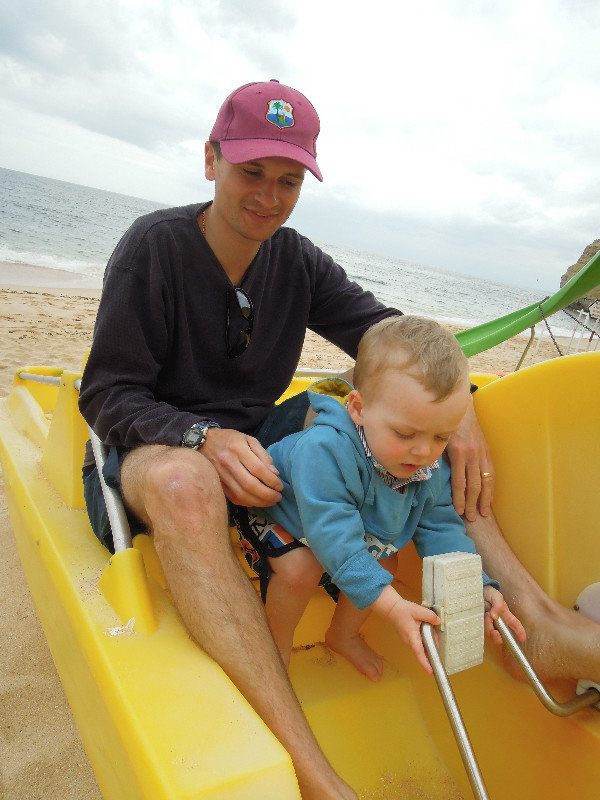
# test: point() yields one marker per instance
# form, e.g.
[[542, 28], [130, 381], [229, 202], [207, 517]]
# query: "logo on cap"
[[280, 113]]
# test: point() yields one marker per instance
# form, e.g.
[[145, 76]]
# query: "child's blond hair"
[[417, 346]]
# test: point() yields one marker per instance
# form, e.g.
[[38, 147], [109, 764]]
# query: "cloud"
[[137, 71], [459, 241], [483, 134], [453, 132]]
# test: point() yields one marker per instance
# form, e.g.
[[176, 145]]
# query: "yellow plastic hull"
[[160, 720]]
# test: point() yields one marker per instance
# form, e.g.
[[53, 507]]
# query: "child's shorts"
[[261, 540]]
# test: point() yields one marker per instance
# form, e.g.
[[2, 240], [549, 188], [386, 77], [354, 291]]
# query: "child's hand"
[[407, 617], [500, 609]]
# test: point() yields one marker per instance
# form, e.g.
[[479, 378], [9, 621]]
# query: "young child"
[[362, 481]]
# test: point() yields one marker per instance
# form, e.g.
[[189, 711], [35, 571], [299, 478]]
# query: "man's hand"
[[246, 470], [472, 468]]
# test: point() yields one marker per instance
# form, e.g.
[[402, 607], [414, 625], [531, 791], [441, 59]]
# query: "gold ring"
[[486, 475]]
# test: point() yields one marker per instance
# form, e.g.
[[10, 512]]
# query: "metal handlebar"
[[591, 697], [456, 721], [119, 523]]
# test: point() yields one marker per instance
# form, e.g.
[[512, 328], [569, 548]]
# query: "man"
[[199, 330]]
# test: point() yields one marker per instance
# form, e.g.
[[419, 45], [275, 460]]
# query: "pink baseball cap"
[[262, 120]]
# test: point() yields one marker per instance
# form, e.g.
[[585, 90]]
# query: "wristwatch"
[[195, 436]]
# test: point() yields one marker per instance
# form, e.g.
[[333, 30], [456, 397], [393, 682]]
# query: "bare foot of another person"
[[318, 787], [561, 644], [355, 650]]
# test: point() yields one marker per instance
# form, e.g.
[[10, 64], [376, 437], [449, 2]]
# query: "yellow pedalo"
[[159, 719]]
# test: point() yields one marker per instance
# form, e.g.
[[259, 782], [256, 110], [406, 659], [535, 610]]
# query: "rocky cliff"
[[590, 251]]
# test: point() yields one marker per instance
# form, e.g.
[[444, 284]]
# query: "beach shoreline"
[[26, 276], [50, 323], [47, 318]]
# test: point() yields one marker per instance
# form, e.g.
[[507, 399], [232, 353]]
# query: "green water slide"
[[482, 337]]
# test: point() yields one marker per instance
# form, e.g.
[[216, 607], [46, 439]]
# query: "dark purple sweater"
[[158, 361]]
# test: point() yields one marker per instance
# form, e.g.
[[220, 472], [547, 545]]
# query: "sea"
[[64, 226]]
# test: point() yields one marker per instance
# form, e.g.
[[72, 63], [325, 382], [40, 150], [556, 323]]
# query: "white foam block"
[[453, 587]]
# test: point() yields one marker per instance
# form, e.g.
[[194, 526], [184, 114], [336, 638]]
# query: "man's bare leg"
[[560, 642], [178, 494]]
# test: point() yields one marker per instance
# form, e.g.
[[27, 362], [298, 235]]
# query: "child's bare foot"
[[355, 650]]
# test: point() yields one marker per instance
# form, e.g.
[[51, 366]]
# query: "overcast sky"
[[462, 134]]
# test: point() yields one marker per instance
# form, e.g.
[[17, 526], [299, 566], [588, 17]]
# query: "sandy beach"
[[47, 320]]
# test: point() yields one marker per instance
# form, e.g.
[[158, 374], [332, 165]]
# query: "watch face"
[[194, 437]]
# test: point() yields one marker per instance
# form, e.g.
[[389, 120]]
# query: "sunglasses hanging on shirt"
[[239, 322]]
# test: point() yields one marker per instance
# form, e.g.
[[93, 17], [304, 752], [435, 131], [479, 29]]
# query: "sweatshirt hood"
[[320, 395]]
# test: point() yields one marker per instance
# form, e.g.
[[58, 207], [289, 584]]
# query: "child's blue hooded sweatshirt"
[[334, 500]]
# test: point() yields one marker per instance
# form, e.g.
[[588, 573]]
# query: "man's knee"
[[171, 482]]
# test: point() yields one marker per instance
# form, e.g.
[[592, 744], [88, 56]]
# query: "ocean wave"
[[78, 267], [76, 229]]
